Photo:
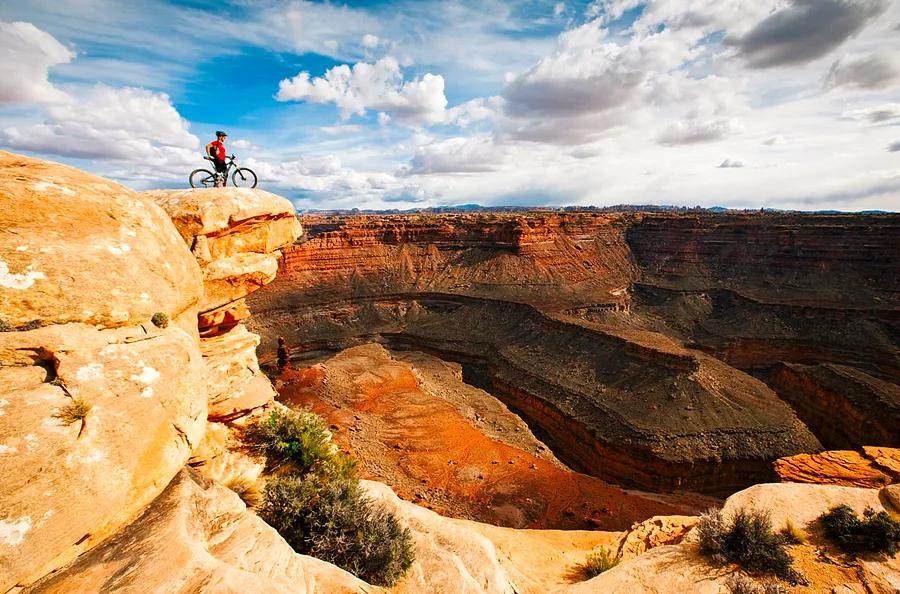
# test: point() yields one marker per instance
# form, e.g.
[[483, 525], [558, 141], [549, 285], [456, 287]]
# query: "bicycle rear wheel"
[[202, 178], [243, 178]]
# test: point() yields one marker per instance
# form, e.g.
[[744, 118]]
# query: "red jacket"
[[216, 150]]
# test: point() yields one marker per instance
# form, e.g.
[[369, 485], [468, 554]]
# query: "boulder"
[[233, 220], [80, 248], [199, 538], [99, 407]]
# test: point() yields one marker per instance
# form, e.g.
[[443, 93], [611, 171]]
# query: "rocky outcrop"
[[681, 568], [198, 538], [235, 234], [871, 467], [99, 407]]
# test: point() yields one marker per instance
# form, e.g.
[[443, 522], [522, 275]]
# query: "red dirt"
[[433, 455]]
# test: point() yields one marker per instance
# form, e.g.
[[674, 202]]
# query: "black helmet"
[[220, 133]]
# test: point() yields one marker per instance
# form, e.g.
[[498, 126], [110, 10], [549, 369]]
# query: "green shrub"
[[6, 326], [598, 562], [876, 532], [160, 319], [747, 539], [73, 413], [333, 521], [299, 439]]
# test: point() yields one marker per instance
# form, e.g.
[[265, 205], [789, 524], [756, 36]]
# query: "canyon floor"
[[415, 424]]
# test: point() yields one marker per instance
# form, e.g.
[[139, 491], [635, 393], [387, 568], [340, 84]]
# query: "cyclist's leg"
[[221, 171]]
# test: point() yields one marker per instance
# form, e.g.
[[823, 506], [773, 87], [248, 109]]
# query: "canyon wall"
[[595, 326]]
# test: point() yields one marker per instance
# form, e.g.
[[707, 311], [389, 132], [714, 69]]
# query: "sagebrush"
[[747, 539], [875, 532], [74, 412], [598, 562], [317, 505]]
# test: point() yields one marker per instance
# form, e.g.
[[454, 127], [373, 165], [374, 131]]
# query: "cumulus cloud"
[[378, 87], [28, 53], [877, 70], [694, 131], [475, 154], [894, 147], [107, 123], [474, 110], [805, 30], [774, 139], [731, 164]]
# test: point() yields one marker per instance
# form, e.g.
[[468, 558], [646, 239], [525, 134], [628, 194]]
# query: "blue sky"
[[769, 103]]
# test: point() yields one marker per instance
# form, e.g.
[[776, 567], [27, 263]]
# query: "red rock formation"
[[870, 467]]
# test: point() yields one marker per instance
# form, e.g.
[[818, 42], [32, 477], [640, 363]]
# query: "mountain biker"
[[215, 150]]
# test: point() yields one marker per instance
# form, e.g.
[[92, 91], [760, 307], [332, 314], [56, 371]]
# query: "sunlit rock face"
[[236, 235], [85, 264], [199, 538]]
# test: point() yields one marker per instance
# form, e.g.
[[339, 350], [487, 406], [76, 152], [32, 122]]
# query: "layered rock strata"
[[99, 407], [871, 467], [624, 304], [236, 235], [694, 423]]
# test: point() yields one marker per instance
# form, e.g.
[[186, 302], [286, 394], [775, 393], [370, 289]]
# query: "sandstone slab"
[[849, 468], [80, 248], [65, 488], [212, 211], [197, 537]]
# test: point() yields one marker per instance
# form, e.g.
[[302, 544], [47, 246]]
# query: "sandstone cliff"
[[105, 383]]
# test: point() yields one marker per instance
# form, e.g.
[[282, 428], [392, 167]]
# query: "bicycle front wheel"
[[243, 178], [202, 178]]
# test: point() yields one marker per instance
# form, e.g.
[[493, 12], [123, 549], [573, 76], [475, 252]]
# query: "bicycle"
[[241, 177]]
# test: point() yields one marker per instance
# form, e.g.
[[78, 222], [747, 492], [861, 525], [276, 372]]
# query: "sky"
[[791, 104]]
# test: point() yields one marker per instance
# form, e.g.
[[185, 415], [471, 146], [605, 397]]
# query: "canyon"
[[654, 351], [518, 389]]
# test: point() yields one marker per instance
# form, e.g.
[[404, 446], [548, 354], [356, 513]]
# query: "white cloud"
[[109, 123], [474, 154], [379, 87], [877, 70], [475, 110], [731, 164], [877, 114], [370, 41], [28, 53], [894, 147], [774, 140], [243, 145], [693, 131]]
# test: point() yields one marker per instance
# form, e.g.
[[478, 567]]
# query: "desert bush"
[[160, 319], [875, 532], [741, 584], [74, 412], [299, 439], [598, 562], [6, 326], [791, 534], [747, 539], [334, 521], [246, 490]]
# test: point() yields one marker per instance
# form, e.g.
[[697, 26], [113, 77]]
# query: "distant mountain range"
[[473, 208]]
